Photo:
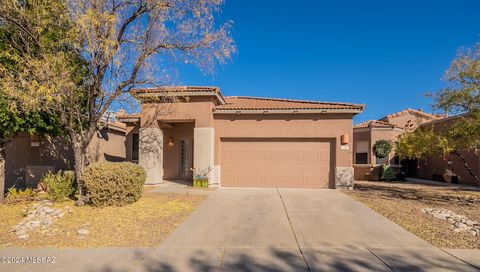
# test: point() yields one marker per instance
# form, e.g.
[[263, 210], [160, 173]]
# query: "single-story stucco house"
[[436, 167], [447, 168], [244, 141], [390, 127]]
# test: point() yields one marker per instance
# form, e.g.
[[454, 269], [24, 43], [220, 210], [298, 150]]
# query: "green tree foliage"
[[461, 96], [14, 118]]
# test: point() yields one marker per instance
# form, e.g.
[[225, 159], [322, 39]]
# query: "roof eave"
[[128, 120], [286, 111], [142, 96]]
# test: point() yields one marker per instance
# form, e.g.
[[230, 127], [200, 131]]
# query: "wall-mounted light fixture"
[[344, 139], [170, 141]]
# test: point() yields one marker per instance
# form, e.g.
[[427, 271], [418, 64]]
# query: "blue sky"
[[385, 54]]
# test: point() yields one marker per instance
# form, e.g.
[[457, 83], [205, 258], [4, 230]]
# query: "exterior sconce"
[[170, 141], [344, 139]]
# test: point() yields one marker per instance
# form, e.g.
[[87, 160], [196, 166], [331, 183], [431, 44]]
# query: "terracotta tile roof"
[[176, 89], [374, 124], [147, 94], [122, 116], [444, 118], [260, 103], [417, 112], [117, 126]]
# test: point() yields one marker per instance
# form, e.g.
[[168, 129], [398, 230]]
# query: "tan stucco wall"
[[20, 154], [198, 111], [171, 153], [107, 145], [383, 134], [436, 165], [56, 153], [372, 135], [331, 126]]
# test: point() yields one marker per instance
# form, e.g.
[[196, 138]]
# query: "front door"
[[185, 158]]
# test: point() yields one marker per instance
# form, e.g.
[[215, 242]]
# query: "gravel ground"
[[145, 223], [403, 202]]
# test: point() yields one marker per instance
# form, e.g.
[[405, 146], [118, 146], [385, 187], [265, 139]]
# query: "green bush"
[[113, 183], [20, 195], [60, 185], [388, 174]]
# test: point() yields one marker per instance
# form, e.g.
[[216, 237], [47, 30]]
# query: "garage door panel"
[[284, 155], [268, 155], [276, 162]]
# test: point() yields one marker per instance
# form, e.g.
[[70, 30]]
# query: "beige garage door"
[[297, 163]]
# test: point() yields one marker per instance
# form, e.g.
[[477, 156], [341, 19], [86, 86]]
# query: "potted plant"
[[200, 177]]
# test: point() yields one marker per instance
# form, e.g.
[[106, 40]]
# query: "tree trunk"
[[79, 155], [2, 171], [467, 167], [80, 142]]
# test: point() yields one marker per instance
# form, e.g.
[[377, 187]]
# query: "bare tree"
[[123, 45]]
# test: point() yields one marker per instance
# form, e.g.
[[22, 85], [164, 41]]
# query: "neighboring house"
[[442, 168], [367, 133], [245, 141], [29, 158]]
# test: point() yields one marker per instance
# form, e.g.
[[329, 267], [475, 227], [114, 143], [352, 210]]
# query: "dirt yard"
[[145, 223], [403, 202]]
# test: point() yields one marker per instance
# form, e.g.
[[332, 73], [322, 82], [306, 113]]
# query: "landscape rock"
[[459, 223], [40, 215], [23, 236], [83, 232]]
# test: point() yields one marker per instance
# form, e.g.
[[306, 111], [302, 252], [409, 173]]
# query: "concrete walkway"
[[444, 184], [270, 230]]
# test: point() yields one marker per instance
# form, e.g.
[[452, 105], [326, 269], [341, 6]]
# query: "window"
[[361, 158], [135, 146], [185, 158], [361, 152]]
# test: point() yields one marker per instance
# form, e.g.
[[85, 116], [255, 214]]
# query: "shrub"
[[60, 185], [113, 183], [20, 195], [388, 173]]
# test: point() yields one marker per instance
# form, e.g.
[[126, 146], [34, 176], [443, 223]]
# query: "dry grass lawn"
[[145, 223], [402, 203]]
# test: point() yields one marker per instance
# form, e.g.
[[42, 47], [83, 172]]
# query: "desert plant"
[[60, 185], [15, 194], [113, 183], [388, 174]]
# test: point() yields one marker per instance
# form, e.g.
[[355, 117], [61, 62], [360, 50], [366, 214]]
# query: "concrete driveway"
[[246, 229], [242, 229]]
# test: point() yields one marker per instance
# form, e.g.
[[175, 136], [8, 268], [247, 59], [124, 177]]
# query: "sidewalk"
[[438, 183], [142, 259], [255, 229]]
